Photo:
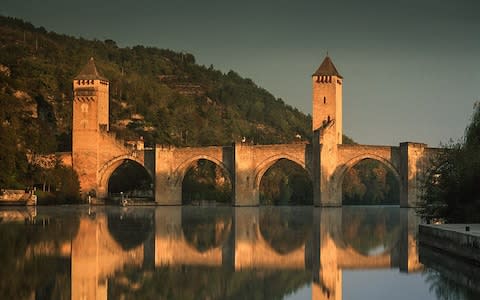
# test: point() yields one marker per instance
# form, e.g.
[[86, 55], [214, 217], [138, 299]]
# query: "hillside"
[[162, 95]]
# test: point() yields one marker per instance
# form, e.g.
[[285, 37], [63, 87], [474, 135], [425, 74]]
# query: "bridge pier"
[[246, 191], [326, 192], [413, 164], [168, 183]]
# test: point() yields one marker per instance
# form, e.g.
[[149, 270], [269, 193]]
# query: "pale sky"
[[411, 68]]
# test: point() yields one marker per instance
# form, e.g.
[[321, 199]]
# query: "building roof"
[[327, 68], [90, 71]]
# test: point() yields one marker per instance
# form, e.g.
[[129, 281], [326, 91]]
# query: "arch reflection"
[[285, 229], [205, 229], [130, 228], [380, 224]]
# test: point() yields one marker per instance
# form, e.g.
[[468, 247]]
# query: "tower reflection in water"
[[216, 253]]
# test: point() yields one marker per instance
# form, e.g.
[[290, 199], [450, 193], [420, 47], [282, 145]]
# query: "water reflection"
[[447, 275], [208, 253], [204, 228], [382, 226], [285, 229]]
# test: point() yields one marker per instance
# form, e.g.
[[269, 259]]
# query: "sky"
[[411, 68]]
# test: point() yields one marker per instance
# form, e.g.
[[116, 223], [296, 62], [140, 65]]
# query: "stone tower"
[[90, 119], [327, 131], [327, 102]]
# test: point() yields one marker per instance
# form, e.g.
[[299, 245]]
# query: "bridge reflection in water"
[[199, 252], [320, 242]]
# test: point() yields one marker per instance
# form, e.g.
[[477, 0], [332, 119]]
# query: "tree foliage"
[[451, 189], [204, 180], [286, 183], [370, 182], [58, 185]]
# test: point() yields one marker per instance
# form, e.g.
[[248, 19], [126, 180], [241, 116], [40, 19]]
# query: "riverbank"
[[461, 240], [17, 197]]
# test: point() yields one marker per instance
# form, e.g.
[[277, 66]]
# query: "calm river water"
[[81, 252]]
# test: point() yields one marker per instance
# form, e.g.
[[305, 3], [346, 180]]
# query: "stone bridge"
[[96, 153], [246, 165]]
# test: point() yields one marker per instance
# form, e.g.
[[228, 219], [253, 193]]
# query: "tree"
[[451, 189]]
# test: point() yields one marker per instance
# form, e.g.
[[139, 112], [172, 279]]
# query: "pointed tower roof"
[[90, 71], [327, 68]]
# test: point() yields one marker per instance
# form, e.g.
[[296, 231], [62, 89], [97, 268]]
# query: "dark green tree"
[[451, 189]]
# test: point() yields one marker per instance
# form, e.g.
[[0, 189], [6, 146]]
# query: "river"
[[207, 252]]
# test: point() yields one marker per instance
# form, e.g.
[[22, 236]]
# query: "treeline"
[[451, 189]]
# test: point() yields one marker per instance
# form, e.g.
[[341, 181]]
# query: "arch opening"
[[206, 182], [285, 229], [370, 182], [286, 183], [131, 181]]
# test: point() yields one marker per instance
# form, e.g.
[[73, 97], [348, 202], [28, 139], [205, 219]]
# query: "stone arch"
[[108, 168], [263, 167], [182, 169], [342, 169]]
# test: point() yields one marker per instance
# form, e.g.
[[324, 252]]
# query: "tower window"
[[324, 100], [84, 108]]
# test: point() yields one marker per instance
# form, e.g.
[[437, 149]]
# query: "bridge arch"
[[201, 187], [340, 172], [290, 181], [263, 167], [106, 171], [182, 169]]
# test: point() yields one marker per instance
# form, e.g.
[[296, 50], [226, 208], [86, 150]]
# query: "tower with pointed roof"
[[90, 119], [327, 128], [327, 102]]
